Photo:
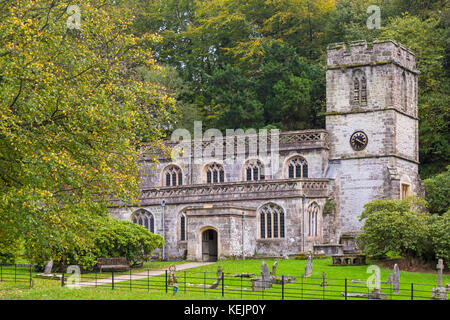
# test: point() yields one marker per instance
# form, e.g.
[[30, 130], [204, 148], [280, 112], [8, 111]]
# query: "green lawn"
[[194, 283]]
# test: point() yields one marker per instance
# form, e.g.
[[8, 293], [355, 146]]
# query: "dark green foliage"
[[437, 192], [117, 238], [401, 227], [106, 238]]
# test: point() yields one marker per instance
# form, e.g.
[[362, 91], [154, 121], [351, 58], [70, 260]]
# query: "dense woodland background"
[[255, 64]]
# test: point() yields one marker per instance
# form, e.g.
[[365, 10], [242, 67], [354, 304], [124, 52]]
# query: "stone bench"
[[113, 263]]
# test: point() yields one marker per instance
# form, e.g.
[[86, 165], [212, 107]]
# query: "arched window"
[[313, 219], [183, 235], [144, 218], [215, 173], [271, 221], [254, 170], [173, 176], [297, 168], [359, 88]]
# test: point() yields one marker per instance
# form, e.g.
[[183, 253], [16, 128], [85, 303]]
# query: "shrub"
[[395, 231], [437, 192], [439, 236], [126, 239], [106, 237]]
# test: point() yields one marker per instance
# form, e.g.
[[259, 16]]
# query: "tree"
[[427, 39], [74, 111]]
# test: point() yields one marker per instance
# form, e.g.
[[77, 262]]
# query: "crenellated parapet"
[[360, 53]]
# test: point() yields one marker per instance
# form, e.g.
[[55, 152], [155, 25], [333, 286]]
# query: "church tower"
[[372, 124]]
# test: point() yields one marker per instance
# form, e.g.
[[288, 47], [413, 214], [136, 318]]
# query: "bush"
[[437, 192], [402, 227], [106, 237], [439, 236], [393, 231], [126, 239]]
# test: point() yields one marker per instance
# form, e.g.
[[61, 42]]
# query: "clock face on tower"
[[358, 141]]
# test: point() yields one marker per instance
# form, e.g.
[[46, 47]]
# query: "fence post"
[[62, 278], [223, 285], [345, 288], [112, 278], [184, 281], [412, 291], [302, 287], [166, 281], [15, 272], [31, 276], [148, 279], [204, 283], [1, 272], [96, 271], [130, 279], [282, 287]]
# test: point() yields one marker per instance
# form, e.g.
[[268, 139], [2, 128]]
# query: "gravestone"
[[263, 282], [308, 267], [48, 272], [265, 274], [219, 278], [396, 279], [48, 267], [173, 275], [274, 269], [439, 292]]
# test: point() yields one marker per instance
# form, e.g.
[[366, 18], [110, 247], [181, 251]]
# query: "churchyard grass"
[[234, 287]]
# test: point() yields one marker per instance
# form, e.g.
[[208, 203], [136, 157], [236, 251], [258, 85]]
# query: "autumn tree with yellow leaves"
[[74, 111]]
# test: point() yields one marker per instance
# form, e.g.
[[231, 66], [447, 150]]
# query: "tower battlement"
[[361, 53]]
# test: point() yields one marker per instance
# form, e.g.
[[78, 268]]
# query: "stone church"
[[292, 191]]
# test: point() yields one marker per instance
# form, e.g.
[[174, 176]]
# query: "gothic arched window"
[[173, 176], [271, 218], [297, 168], [215, 173], [254, 170], [359, 88], [313, 219], [183, 235], [144, 218]]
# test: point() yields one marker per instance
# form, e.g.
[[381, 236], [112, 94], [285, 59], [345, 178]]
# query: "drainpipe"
[[303, 222], [243, 251], [163, 204]]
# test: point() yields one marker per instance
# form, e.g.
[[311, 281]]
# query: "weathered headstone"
[[396, 279], [265, 274], [48, 267], [274, 269], [439, 292], [263, 282], [219, 278], [440, 268], [48, 272], [308, 267], [173, 275]]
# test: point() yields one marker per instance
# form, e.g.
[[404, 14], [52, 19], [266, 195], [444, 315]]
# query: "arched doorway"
[[209, 245]]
